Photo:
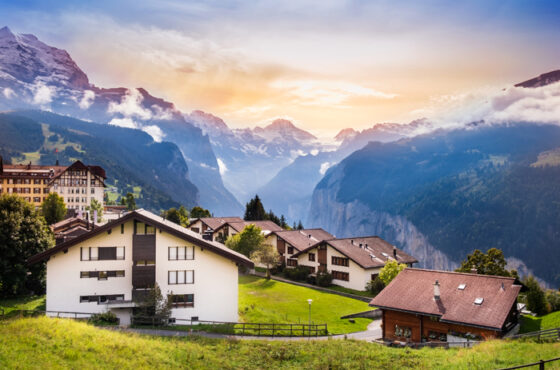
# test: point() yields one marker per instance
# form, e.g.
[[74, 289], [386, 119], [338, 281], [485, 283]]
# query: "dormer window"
[[462, 286], [478, 301]]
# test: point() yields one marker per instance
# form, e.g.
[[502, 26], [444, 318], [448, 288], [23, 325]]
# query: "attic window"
[[462, 286], [478, 301], [372, 256]]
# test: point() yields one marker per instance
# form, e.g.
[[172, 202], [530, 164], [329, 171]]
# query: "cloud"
[[327, 93], [131, 106], [160, 113], [222, 166], [43, 94], [324, 167], [87, 100], [123, 122], [155, 132], [9, 93]]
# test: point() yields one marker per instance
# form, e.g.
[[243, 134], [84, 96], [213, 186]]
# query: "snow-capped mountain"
[[36, 75], [249, 158]]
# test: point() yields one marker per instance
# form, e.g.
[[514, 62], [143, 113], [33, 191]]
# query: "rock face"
[[356, 219], [542, 80]]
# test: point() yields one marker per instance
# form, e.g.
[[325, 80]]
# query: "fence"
[[239, 328], [540, 364], [548, 334], [418, 345], [35, 313]]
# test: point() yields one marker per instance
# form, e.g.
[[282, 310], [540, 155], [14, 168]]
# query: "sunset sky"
[[326, 64]]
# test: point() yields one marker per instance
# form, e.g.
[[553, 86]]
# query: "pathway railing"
[[540, 364], [541, 335]]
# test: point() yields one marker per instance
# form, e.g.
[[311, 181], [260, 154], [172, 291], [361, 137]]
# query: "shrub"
[[375, 286], [553, 300], [105, 318], [324, 279], [298, 273], [536, 301]]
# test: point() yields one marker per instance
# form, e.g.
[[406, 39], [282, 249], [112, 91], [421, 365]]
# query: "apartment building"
[[114, 265], [290, 242], [79, 184], [30, 182], [206, 225], [227, 229], [353, 262]]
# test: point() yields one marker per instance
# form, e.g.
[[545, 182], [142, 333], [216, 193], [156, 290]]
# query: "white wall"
[[215, 285]]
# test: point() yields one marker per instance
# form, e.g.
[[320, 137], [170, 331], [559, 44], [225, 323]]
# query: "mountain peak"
[[542, 80], [281, 123], [209, 123], [283, 127], [345, 134]]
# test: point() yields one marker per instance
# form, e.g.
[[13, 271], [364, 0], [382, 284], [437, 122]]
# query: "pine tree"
[[254, 210], [300, 225]]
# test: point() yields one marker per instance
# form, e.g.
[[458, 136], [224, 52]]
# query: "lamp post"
[[309, 328]]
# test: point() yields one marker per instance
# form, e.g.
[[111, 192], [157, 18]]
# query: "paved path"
[[373, 332]]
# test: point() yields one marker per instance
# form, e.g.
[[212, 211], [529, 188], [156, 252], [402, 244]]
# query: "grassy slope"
[[23, 303], [59, 343], [550, 321], [273, 301]]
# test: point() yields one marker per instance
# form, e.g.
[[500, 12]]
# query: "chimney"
[[395, 252], [503, 287], [436, 291], [474, 270], [309, 236]]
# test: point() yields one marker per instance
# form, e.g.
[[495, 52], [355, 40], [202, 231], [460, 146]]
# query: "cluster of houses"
[[98, 268]]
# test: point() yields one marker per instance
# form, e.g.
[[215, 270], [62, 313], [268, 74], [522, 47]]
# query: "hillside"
[[131, 158], [440, 196], [70, 344]]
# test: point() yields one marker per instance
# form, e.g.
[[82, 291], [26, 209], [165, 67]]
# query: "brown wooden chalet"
[[440, 306]]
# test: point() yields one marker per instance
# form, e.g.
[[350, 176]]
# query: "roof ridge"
[[461, 273]]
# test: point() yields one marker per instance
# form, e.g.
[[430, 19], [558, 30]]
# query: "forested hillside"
[[156, 172]]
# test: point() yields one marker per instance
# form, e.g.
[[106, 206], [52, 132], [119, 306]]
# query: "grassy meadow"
[[63, 343], [269, 301], [549, 321]]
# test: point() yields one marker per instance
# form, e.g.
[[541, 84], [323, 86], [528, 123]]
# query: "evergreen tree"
[[23, 233], [129, 201], [536, 299], [300, 225], [254, 210], [283, 224], [53, 208], [199, 212]]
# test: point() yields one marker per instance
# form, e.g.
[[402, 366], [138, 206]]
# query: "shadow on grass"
[[530, 324]]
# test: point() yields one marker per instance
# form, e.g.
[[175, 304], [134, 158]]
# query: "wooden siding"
[[144, 247], [421, 325], [281, 246], [143, 276]]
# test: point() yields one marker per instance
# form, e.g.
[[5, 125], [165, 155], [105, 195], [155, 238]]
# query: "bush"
[[105, 318], [553, 300], [324, 279], [298, 273], [375, 286], [536, 301]]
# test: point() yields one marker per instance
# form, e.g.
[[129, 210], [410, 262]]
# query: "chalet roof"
[[265, 226], [156, 221], [68, 223], [30, 171], [215, 222], [302, 239], [368, 251], [413, 291]]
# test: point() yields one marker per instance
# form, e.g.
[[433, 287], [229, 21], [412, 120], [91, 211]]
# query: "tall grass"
[[61, 343]]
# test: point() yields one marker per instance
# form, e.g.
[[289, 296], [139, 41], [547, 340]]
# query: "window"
[[36, 199], [144, 263], [311, 257], [374, 276], [434, 335], [290, 250], [45, 190], [180, 277], [402, 332], [36, 190], [291, 262], [181, 253], [101, 253], [339, 275], [182, 300], [339, 261], [92, 190], [122, 228], [101, 298], [101, 275], [36, 181]]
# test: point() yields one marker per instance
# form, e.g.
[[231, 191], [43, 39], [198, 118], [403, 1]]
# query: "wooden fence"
[[540, 364], [239, 328], [541, 335]]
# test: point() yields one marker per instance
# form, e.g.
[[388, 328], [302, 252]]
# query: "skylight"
[[385, 254], [462, 286], [478, 301]]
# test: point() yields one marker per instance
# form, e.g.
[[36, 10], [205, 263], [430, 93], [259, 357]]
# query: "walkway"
[[373, 332]]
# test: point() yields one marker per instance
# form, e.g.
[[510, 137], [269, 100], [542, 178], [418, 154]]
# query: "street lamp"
[[309, 329]]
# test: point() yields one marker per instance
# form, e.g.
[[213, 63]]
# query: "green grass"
[[269, 301], [362, 293], [23, 303], [58, 343], [531, 323]]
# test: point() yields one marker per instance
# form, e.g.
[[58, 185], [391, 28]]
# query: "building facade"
[[353, 262], [79, 184], [113, 266]]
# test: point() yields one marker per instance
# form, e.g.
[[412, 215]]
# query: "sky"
[[326, 65]]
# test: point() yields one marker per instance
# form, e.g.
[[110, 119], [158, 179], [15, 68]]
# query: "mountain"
[[249, 158], [35, 75], [156, 172], [441, 195], [542, 80]]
